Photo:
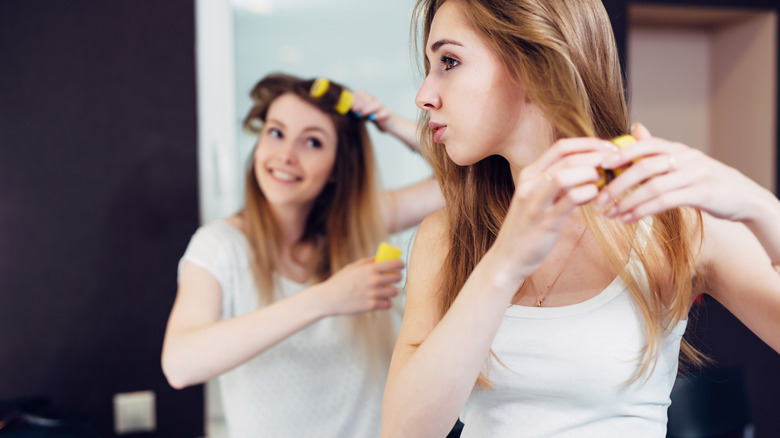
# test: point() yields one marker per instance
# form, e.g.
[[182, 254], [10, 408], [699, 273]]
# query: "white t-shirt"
[[566, 372], [316, 383]]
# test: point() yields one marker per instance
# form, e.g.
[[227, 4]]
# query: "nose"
[[287, 153], [428, 97]]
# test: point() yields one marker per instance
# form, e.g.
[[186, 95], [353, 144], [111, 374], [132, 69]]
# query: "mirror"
[[364, 44]]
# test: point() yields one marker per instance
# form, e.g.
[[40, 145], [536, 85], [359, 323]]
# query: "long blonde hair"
[[564, 53], [344, 223]]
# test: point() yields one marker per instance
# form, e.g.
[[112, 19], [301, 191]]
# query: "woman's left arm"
[[741, 220], [740, 276], [408, 206]]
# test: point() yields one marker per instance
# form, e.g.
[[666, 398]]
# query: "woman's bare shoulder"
[[431, 245], [432, 234]]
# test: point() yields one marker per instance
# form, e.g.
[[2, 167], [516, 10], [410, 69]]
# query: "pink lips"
[[438, 131]]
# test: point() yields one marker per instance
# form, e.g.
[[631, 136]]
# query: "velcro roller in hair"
[[608, 175], [321, 85]]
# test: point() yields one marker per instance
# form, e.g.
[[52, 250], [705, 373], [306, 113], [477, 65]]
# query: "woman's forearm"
[[404, 130], [765, 224], [197, 354], [425, 395]]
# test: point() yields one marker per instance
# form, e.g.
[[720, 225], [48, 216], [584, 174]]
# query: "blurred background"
[[120, 134]]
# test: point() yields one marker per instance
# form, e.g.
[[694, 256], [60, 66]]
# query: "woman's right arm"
[[198, 346], [428, 384]]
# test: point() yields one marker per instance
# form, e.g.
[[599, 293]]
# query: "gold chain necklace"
[[540, 300]]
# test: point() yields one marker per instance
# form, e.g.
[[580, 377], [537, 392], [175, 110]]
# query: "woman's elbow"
[[175, 375]]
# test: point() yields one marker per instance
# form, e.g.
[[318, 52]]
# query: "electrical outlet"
[[134, 412]]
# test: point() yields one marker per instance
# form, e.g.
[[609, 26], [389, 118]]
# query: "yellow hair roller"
[[608, 175], [319, 87], [344, 103], [624, 140], [387, 251]]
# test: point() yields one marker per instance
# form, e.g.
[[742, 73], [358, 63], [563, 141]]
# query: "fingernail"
[[372, 117], [612, 212], [609, 145], [610, 161], [628, 217], [357, 114]]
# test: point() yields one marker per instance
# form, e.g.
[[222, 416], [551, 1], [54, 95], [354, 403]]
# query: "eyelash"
[[275, 133], [449, 62]]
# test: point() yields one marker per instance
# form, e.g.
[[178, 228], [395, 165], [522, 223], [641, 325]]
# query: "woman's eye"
[[314, 143], [274, 133], [449, 63]]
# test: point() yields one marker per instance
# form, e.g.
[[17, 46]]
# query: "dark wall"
[[98, 199], [715, 331]]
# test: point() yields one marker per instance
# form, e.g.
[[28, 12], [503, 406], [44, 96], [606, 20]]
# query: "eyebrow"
[[435, 46], [305, 130], [278, 122], [317, 129]]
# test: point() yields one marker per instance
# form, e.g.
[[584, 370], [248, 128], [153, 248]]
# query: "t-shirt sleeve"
[[208, 249]]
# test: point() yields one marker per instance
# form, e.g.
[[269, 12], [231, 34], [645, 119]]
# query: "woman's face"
[[295, 154], [476, 108]]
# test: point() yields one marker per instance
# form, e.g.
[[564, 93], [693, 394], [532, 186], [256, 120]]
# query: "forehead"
[[296, 113], [450, 23]]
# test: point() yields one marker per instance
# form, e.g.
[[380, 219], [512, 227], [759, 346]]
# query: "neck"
[[532, 139], [295, 255], [291, 222]]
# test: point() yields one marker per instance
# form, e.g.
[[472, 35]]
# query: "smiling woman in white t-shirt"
[[282, 301]]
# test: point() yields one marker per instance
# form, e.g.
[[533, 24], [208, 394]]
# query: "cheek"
[[257, 163], [321, 167], [327, 170], [503, 110]]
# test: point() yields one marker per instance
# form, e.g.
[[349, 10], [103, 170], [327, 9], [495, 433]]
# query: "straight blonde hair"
[[564, 53]]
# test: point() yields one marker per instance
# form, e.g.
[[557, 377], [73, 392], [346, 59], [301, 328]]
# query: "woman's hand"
[[547, 192], [361, 286], [366, 105], [666, 175]]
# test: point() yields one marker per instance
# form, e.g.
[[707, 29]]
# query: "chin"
[[458, 157]]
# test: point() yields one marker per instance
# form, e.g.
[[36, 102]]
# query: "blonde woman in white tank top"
[[540, 301]]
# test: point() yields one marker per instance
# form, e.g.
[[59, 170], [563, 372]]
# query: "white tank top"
[[566, 369]]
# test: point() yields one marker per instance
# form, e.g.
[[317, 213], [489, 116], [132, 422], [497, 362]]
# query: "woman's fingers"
[[568, 147], [660, 192], [567, 182], [573, 198], [644, 171], [381, 304], [388, 265], [367, 106], [656, 205], [640, 132], [386, 278], [659, 175]]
